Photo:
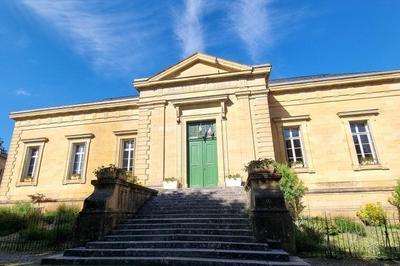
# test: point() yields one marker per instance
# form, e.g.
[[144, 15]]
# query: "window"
[[294, 146], [127, 154], [31, 164], [78, 160], [363, 143]]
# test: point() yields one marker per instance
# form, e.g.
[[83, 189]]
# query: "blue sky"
[[64, 52]]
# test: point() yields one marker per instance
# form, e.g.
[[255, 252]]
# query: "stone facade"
[[249, 112]]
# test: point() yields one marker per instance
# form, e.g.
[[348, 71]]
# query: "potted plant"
[[261, 165], [367, 161], [170, 183], [234, 180], [297, 164], [110, 172]]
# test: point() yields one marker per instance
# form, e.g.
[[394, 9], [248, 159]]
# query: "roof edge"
[[69, 108], [333, 78]]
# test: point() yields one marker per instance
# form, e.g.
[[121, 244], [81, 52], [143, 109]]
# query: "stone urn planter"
[[233, 180], [110, 172], [170, 183], [268, 213]]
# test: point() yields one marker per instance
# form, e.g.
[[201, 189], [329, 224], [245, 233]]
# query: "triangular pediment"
[[199, 65]]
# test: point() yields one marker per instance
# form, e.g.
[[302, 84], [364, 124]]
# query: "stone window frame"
[[27, 144], [121, 136], [72, 141], [368, 116], [300, 121]]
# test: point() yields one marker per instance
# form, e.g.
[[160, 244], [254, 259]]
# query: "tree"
[[394, 199], [2, 149], [293, 189]]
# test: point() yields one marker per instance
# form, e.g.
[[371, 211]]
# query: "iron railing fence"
[[338, 237], [36, 232]]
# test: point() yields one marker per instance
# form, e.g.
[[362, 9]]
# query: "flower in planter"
[[297, 164], [110, 171], [367, 161], [261, 165], [234, 176]]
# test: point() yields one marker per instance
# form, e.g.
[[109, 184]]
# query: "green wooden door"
[[202, 155]]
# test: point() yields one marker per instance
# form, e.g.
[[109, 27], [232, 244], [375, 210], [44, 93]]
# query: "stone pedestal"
[[112, 201], [268, 213]]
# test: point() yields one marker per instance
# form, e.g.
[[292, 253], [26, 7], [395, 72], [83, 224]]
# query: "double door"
[[202, 155]]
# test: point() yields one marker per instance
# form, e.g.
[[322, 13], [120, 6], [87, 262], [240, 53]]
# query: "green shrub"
[[34, 232], [347, 225], [308, 238], [15, 218], [372, 214], [293, 189]]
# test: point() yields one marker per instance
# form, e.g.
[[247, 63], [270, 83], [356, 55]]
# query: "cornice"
[[76, 108], [202, 99], [125, 132], [149, 84], [35, 140], [292, 118], [358, 113], [80, 136], [334, 81]]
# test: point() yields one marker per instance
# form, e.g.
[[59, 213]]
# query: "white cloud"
[[22, 92], [253, 21], [188, 27], [110, 35]]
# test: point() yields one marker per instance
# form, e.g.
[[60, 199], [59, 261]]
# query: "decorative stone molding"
[[292, 118], [125, 132], [80, 136], [368, 112], [195, 100]]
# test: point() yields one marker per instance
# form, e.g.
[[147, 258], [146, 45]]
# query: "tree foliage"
[[293, 189], [2, 149], [394, 198]]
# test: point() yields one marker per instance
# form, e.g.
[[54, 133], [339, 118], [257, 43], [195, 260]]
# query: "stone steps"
[[274, 255], [177, 261], [194, 230], [184, 225], [181, 237], [178, 244], [188, 220], [189, 227], [192, 215]]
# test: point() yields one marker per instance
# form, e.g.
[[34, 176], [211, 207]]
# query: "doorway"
[[202, 154]]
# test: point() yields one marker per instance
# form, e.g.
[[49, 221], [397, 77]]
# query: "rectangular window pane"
[[293, 144], [295, 132], [33, 153], [79, 154], [128, 154], [362, 142]]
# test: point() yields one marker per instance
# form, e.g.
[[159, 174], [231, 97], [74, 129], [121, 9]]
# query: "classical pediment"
[[196, 67], [199, 65]]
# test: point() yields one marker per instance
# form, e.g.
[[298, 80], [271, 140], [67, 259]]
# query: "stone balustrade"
[[112, 201]]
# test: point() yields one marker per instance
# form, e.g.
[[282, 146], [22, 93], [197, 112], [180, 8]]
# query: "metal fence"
[[36, 232], [337, 237]]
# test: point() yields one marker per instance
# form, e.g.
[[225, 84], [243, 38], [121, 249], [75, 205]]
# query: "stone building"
[[203, 118]]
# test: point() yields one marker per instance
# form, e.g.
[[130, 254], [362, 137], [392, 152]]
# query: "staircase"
[[185, 227]]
